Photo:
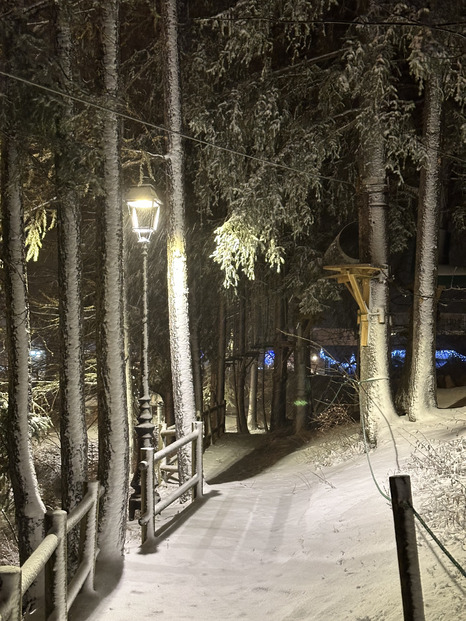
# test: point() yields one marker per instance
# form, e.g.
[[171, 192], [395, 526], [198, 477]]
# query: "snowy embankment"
[[288, 530]]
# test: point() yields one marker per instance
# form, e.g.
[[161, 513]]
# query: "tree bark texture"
[[29, 507], [177, 273], [222, 339], [197, 371], [421, 399], [73, 432], [376, 403], [303, 405], [217, 382], [256, 342], [113, 415], [280, 367], [252, 404], [241, 364]]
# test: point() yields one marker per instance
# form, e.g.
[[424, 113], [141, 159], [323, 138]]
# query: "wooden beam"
[[357, 277]]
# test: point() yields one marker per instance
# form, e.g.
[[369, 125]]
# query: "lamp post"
[[144, 207]]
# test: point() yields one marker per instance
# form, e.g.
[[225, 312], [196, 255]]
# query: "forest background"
[[298, 119]]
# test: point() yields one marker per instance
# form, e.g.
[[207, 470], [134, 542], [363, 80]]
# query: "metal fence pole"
[[408, 560], [147, 492]]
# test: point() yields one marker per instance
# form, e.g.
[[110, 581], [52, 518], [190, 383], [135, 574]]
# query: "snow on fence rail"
[[149, 508], [51, 556]]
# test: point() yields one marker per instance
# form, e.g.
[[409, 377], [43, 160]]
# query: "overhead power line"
[[53, 91], [161, 128]]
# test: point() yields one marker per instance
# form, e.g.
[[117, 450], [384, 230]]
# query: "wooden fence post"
[[197, 460], [56, 568], [408, 560], [88, 551]]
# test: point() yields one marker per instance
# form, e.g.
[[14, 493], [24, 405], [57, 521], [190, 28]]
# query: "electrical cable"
[[161, 128], [360, 384]]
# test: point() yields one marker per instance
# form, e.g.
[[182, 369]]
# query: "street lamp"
[[144, 207]]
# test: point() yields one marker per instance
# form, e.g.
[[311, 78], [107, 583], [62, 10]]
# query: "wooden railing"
[[150, 508], [51, 556], [166, 467]]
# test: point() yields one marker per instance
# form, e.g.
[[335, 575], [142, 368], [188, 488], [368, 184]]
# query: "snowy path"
[[288, 543]]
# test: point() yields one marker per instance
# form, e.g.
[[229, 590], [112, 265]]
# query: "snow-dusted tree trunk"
[[376, 403], [303, 405], [132, 419], [280, 366], [252, 404], [29, 508], [113, 415], [420, 399], [256, 318], [177, 272], [73, 434], [240, 364], [197, 370], [217, 387]]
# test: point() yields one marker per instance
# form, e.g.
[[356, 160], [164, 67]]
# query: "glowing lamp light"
[[144, 208]]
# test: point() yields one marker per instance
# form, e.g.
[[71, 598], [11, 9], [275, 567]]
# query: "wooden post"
[[197, 460], [408, 561], [89, 535], [56, 575]]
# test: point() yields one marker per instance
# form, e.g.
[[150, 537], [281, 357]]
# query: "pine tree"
[[29, 507], [435, 60], [73, 432], [113, 417], [178, 304]]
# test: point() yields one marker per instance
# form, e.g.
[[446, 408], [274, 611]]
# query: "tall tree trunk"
[[132, 418], [376, 403], [113, 414], [73, 433], [222, 343], [241, 367], [177, 274], [302, 365], [421, 399], [197, 371], [257, 340], [29, 507], [252, 405], [217, 384], [280, 363]]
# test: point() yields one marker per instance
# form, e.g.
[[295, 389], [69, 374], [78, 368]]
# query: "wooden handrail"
[[149, 509], [51, 556]]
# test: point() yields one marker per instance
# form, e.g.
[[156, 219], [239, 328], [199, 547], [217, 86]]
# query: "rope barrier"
[[366, 448], [416, 514], [439, 543], [360, 384]]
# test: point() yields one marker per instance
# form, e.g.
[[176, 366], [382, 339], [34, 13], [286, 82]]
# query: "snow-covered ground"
[[287, 530]]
